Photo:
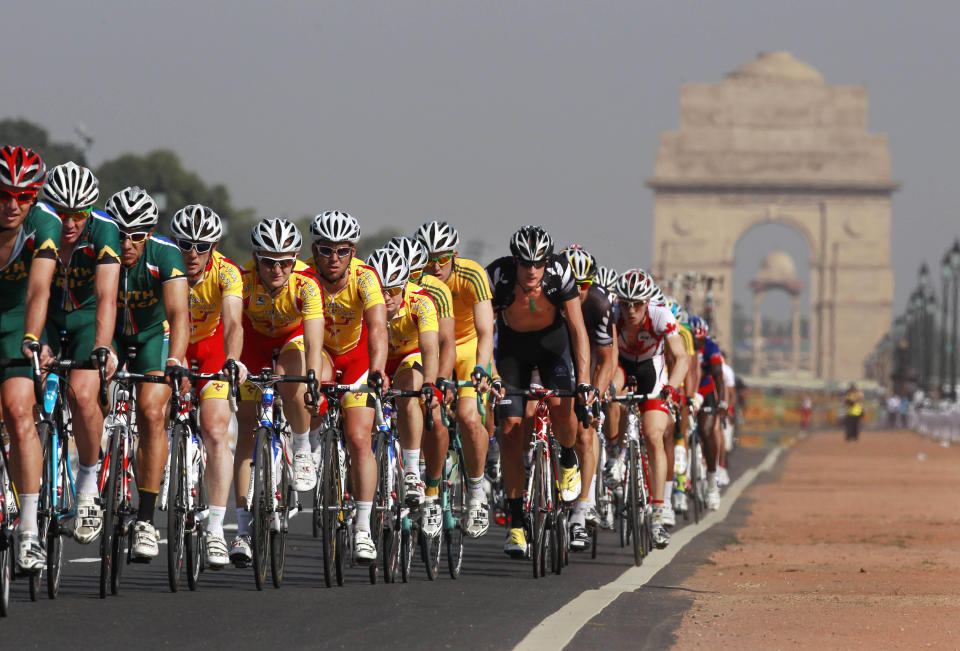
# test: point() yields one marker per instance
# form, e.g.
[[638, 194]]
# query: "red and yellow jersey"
[[468, 285], [301, 299], [344, 310], [417, 314], [440, 294], [220, 279]]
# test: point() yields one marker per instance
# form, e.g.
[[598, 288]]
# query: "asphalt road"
[[494, 603]]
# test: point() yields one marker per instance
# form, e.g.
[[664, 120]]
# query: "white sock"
[[28, 512], [243, 522], [579, 513], [411, 460], [592, 495], [301, 442], [315, 440], [475, 488], [87, 480], [711, 480], [362, 523], [668, 492], [215, 520]]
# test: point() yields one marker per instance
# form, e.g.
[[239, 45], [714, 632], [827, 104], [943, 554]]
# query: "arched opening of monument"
[[771, 302]]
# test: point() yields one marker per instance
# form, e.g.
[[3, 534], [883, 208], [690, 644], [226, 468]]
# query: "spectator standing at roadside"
[[853, 405], [806, 410]]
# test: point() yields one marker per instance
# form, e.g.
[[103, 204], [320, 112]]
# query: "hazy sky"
[[489, 114]]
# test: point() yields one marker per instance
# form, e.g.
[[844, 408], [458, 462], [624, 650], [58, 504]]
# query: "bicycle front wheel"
[[634, 506], [328, 503], [380, 502], [64, 505], [278, 533], [176, 505], [393, 527], [260, 516], [694, 471], [110, 479], [193, 539], [539, 508], [454, 493]]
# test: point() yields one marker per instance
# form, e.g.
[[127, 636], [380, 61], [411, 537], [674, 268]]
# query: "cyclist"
[[711, 381], [153, 320], [726, 409], [412, 364], [282, 317], [599, 321], [539, 325], [677, 452], [415, 253], [216, 337], [355, 343], [647, 336], [83, 303], [607, 279], [29, 235], [473, 329]]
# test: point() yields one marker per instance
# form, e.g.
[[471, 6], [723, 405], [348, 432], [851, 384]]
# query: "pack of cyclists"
[[87, 283]]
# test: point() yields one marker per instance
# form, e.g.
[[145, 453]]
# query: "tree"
[[160, 173], [16, 131]]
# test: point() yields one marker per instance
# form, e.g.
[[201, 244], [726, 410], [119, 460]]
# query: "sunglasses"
[[283, 263], [19, 197], [539, 264], [633, 304], [187, 245], [394, 291], [415, 276], [328, 251], [134, 236], [76, 215], [584, 284], [441, 260]]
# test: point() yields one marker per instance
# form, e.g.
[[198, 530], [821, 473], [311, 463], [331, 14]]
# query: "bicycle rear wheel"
[[634, 507], [260, 517], [193, 541], [454, 494], [278, 535], [108, 498], [176, 505]]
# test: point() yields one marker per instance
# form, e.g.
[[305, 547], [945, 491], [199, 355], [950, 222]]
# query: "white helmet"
[[583, 265], [71, 187], [635, 285], [391, 266], [607, 278], [531, 244], [438, 236], [412, 250], [276, 235], [133, 208], [197, 223], [335, 226], [658, 297]]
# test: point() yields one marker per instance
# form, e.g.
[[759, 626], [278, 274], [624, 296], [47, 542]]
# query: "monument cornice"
[[798, 186]]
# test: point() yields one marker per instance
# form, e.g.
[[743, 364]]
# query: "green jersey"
[[39, 237], [99, 243], [140, 300]]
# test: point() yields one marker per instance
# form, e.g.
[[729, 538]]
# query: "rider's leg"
[[26, 454], [215, 428]]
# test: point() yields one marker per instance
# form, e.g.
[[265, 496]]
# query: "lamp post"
[[955, 267], [916, 341], [946, 272], [923, 278]]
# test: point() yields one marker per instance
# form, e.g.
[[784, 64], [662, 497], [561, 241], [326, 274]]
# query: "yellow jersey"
[[468, 285], [417, 314], [440, 294], [687, 337], [344, 310], [301, 299], [221, 278]]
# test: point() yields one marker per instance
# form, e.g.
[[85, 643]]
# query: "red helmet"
[[21, 168]]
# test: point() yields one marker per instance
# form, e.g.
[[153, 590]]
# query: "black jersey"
[[558, 283], [598, 316]]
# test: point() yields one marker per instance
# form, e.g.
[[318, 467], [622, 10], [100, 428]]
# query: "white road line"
[[557, 630], [91, 559]]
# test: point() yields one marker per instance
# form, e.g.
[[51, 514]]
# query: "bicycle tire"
[[56, 532], [633, 502], [406, 555], [694, 472], [454, 490], [260, 518], [108, 498], [378, 512], [193, 541], [539, 513], [278, 538], [44, 503], [6, 572], [340, 553], [325, 501], [176, 506], [121, 532], [393, 534]]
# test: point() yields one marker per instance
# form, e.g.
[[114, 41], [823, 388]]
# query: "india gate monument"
[[774, 143]]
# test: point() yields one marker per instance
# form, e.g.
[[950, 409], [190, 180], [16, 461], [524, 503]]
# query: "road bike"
[[636, 509], [605, 497], [271, 499]]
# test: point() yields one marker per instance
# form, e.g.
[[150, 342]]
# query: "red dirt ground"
[[857, 545]]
